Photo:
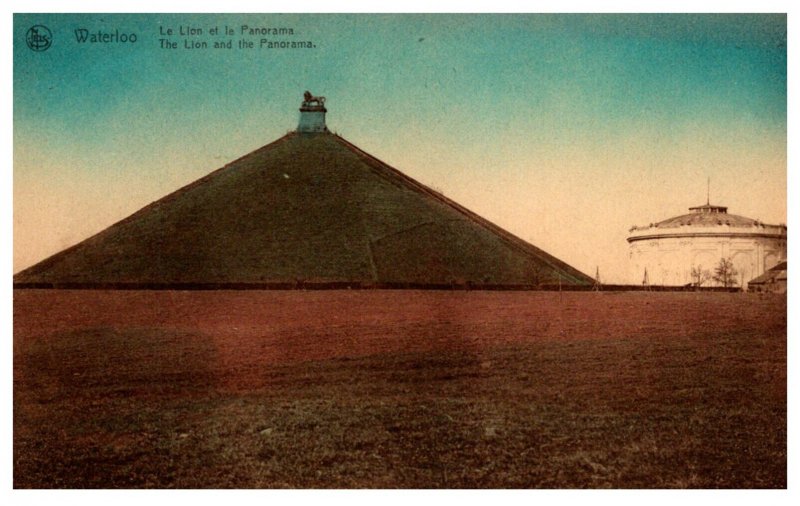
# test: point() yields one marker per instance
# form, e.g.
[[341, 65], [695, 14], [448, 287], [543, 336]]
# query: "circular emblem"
[[39, 38]]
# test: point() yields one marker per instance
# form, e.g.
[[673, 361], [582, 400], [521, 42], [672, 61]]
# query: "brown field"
[[398, 389]]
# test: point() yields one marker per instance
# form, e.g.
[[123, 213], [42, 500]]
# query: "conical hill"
[[309, 209]]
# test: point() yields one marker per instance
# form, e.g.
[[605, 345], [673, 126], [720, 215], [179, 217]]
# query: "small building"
[[686, 249], [772, 281]]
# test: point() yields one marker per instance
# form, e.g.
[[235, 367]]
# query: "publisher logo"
[[39, 38]]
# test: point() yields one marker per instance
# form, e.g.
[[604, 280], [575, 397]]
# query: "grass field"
[[398, 389]]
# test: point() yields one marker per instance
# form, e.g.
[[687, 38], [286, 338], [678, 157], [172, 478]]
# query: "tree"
[[540, 274], [725, 273], [700, 275]]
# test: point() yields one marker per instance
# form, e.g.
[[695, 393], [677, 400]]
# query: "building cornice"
[[736, 235]]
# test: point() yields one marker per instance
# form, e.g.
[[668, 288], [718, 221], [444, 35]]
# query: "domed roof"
[[707, 216], [705, 221]]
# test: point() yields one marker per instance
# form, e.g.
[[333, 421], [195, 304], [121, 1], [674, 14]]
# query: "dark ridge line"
[[357, 285], [56, 257], [510, 238]]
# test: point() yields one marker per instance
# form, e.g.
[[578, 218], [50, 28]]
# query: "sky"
[[565, 130]]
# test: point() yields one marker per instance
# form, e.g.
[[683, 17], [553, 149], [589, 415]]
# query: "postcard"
[[414, 251]]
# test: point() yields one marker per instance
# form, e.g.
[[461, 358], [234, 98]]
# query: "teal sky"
[[564, 129]]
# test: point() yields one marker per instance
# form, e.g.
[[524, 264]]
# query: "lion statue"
[[310, 99]]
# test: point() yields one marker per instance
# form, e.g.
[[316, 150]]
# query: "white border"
[[386, 498]]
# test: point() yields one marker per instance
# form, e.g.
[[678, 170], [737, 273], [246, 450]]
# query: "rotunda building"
[[686, 249]]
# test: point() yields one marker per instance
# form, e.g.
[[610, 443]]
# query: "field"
[[388, 389]]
